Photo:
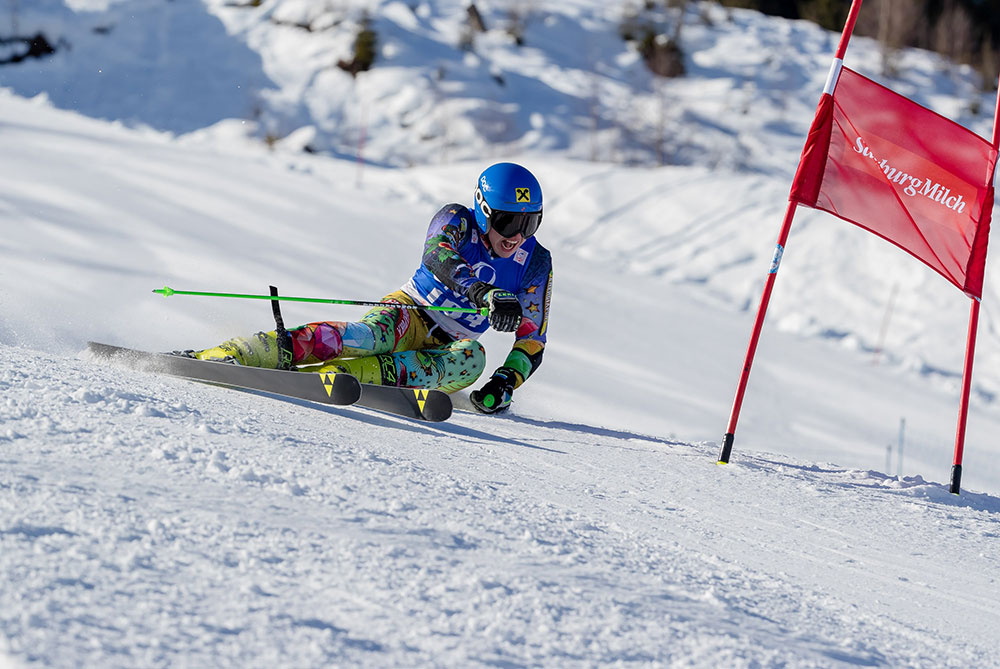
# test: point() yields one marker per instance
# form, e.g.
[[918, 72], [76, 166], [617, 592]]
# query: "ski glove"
[[505, 310], [495, 395]]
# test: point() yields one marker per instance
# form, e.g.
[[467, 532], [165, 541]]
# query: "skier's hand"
[[504, 309], [495, 395]]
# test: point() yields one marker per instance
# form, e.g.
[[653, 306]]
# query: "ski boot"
[[261, 350]]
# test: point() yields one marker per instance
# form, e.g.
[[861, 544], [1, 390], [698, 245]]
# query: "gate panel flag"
[[903, 172]]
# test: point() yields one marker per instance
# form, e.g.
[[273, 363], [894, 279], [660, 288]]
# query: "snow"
[[148, 521]]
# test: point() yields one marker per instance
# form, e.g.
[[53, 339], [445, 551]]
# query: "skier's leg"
[[381, 330], [450, 367]]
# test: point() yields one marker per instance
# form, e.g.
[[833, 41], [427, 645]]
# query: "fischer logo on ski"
[[327, 381]]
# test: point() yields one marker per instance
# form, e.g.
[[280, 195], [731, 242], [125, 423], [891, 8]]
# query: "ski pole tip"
[[166, 291]]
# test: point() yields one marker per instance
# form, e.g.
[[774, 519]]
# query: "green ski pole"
[[167, 291]]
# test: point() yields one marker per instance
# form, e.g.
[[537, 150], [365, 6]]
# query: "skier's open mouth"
[[508, 245]]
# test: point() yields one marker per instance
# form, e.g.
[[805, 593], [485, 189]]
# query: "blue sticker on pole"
[[776, 260]]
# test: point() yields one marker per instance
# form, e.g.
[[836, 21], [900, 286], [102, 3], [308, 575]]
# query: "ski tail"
[[419, 403], [338, 389]]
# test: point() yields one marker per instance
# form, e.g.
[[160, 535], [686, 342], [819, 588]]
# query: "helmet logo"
[[481, 201], [522, 194]]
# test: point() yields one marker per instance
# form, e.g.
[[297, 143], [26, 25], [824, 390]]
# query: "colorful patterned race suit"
[[423, 349]]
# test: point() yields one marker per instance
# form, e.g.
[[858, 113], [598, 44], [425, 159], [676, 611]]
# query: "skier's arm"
[[454, 228], [526, 354], [536, 292], [449, 229]]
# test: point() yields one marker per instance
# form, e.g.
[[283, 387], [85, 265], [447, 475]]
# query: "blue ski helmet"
[[508, 200]]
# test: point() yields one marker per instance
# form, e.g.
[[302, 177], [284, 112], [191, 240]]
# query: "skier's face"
[[504, 246]]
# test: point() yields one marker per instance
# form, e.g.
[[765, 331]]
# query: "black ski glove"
[[495, 395], [505, 310]]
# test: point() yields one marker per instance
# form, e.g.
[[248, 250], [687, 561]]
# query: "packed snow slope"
[[148, 521], [153, 522]]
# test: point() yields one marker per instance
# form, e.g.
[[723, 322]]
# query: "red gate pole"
[[963, 409], [970, 351], [758, 324], [727, 441]]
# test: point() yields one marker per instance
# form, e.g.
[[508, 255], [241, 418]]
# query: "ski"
[[338, 389], [419, 403], [326, 388]]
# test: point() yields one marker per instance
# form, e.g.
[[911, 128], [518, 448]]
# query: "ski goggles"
[[509, 223]]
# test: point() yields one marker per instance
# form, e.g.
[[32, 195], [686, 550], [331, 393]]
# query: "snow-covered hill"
[[153, 522], [439, 93]]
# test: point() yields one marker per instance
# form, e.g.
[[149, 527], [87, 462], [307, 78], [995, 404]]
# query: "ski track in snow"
[[151, 521]]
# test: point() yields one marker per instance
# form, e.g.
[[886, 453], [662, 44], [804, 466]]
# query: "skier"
[[486, 258]]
